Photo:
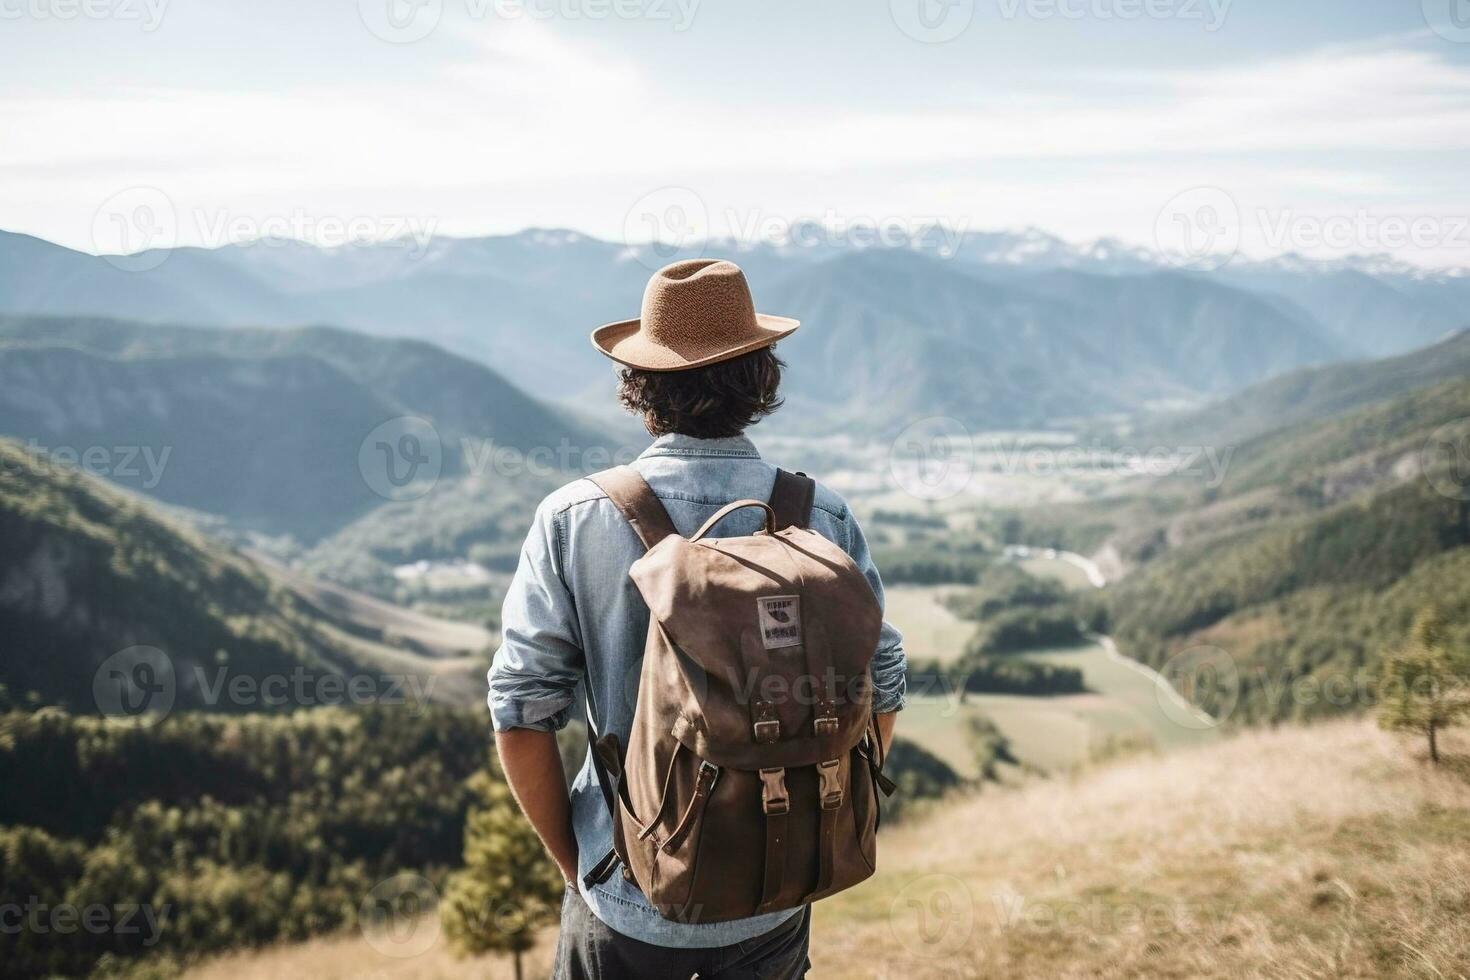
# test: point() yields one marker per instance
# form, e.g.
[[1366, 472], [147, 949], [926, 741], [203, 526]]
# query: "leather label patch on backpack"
[[780, 617]]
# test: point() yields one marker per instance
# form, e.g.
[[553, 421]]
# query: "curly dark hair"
[[712, 402]]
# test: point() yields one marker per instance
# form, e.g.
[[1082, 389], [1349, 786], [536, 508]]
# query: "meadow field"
[[1126, 708], [1326, 851], [931, 631], [1122, 711]]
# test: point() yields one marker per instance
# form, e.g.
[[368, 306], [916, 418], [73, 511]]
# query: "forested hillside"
[[87, 572], [1311, 559], [1314, 393], [214, 833]]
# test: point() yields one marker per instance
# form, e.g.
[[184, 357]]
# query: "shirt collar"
[[678, 444]]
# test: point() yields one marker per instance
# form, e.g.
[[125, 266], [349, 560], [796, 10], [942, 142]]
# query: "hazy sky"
[[1341, 120]]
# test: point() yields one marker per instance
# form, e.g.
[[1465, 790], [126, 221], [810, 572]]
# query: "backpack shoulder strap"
[[636, 501], [791, 499], [640, 507]]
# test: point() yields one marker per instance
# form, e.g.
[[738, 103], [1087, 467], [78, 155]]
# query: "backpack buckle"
[[709, 774], [767, 727], [774, 800], [824, 720], [830, 786]]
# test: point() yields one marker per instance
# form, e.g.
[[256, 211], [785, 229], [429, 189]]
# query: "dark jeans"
[[589, 949]]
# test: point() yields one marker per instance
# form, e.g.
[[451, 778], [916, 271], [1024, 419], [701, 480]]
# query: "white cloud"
[[524, 114]]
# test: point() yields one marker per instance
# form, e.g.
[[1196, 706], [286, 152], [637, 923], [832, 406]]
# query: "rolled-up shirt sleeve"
[[535, 673], [889, 664]]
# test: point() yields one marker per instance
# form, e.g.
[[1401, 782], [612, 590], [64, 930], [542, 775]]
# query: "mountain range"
[[1311, 394], [1008, 328], [1329, 500], [897, 336], [277, 430]]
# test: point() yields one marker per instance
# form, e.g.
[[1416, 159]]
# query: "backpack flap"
[[771, 636]]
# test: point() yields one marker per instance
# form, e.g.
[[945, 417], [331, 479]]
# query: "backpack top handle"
[[737, 505]]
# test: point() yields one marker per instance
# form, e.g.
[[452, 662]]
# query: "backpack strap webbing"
[[640, 507], [636, 501], [776, 802], [829, 792], [791, 499], [607, 762]]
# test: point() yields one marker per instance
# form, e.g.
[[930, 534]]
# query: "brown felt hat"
[[695, 312]]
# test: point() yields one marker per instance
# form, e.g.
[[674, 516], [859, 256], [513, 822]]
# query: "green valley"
[[88, 572]]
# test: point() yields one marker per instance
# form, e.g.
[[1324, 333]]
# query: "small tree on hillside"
[[1424, 684], [509, 886]]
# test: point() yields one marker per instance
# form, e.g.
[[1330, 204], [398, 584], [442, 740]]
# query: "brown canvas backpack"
[[750, 780]]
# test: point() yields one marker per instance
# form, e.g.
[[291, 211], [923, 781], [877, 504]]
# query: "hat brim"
[[625, 343]]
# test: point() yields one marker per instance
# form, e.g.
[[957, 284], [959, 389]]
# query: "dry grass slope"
[[1331, 851], [1319, 852]]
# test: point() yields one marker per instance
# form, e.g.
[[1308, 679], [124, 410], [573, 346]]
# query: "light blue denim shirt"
[[573, 617]]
